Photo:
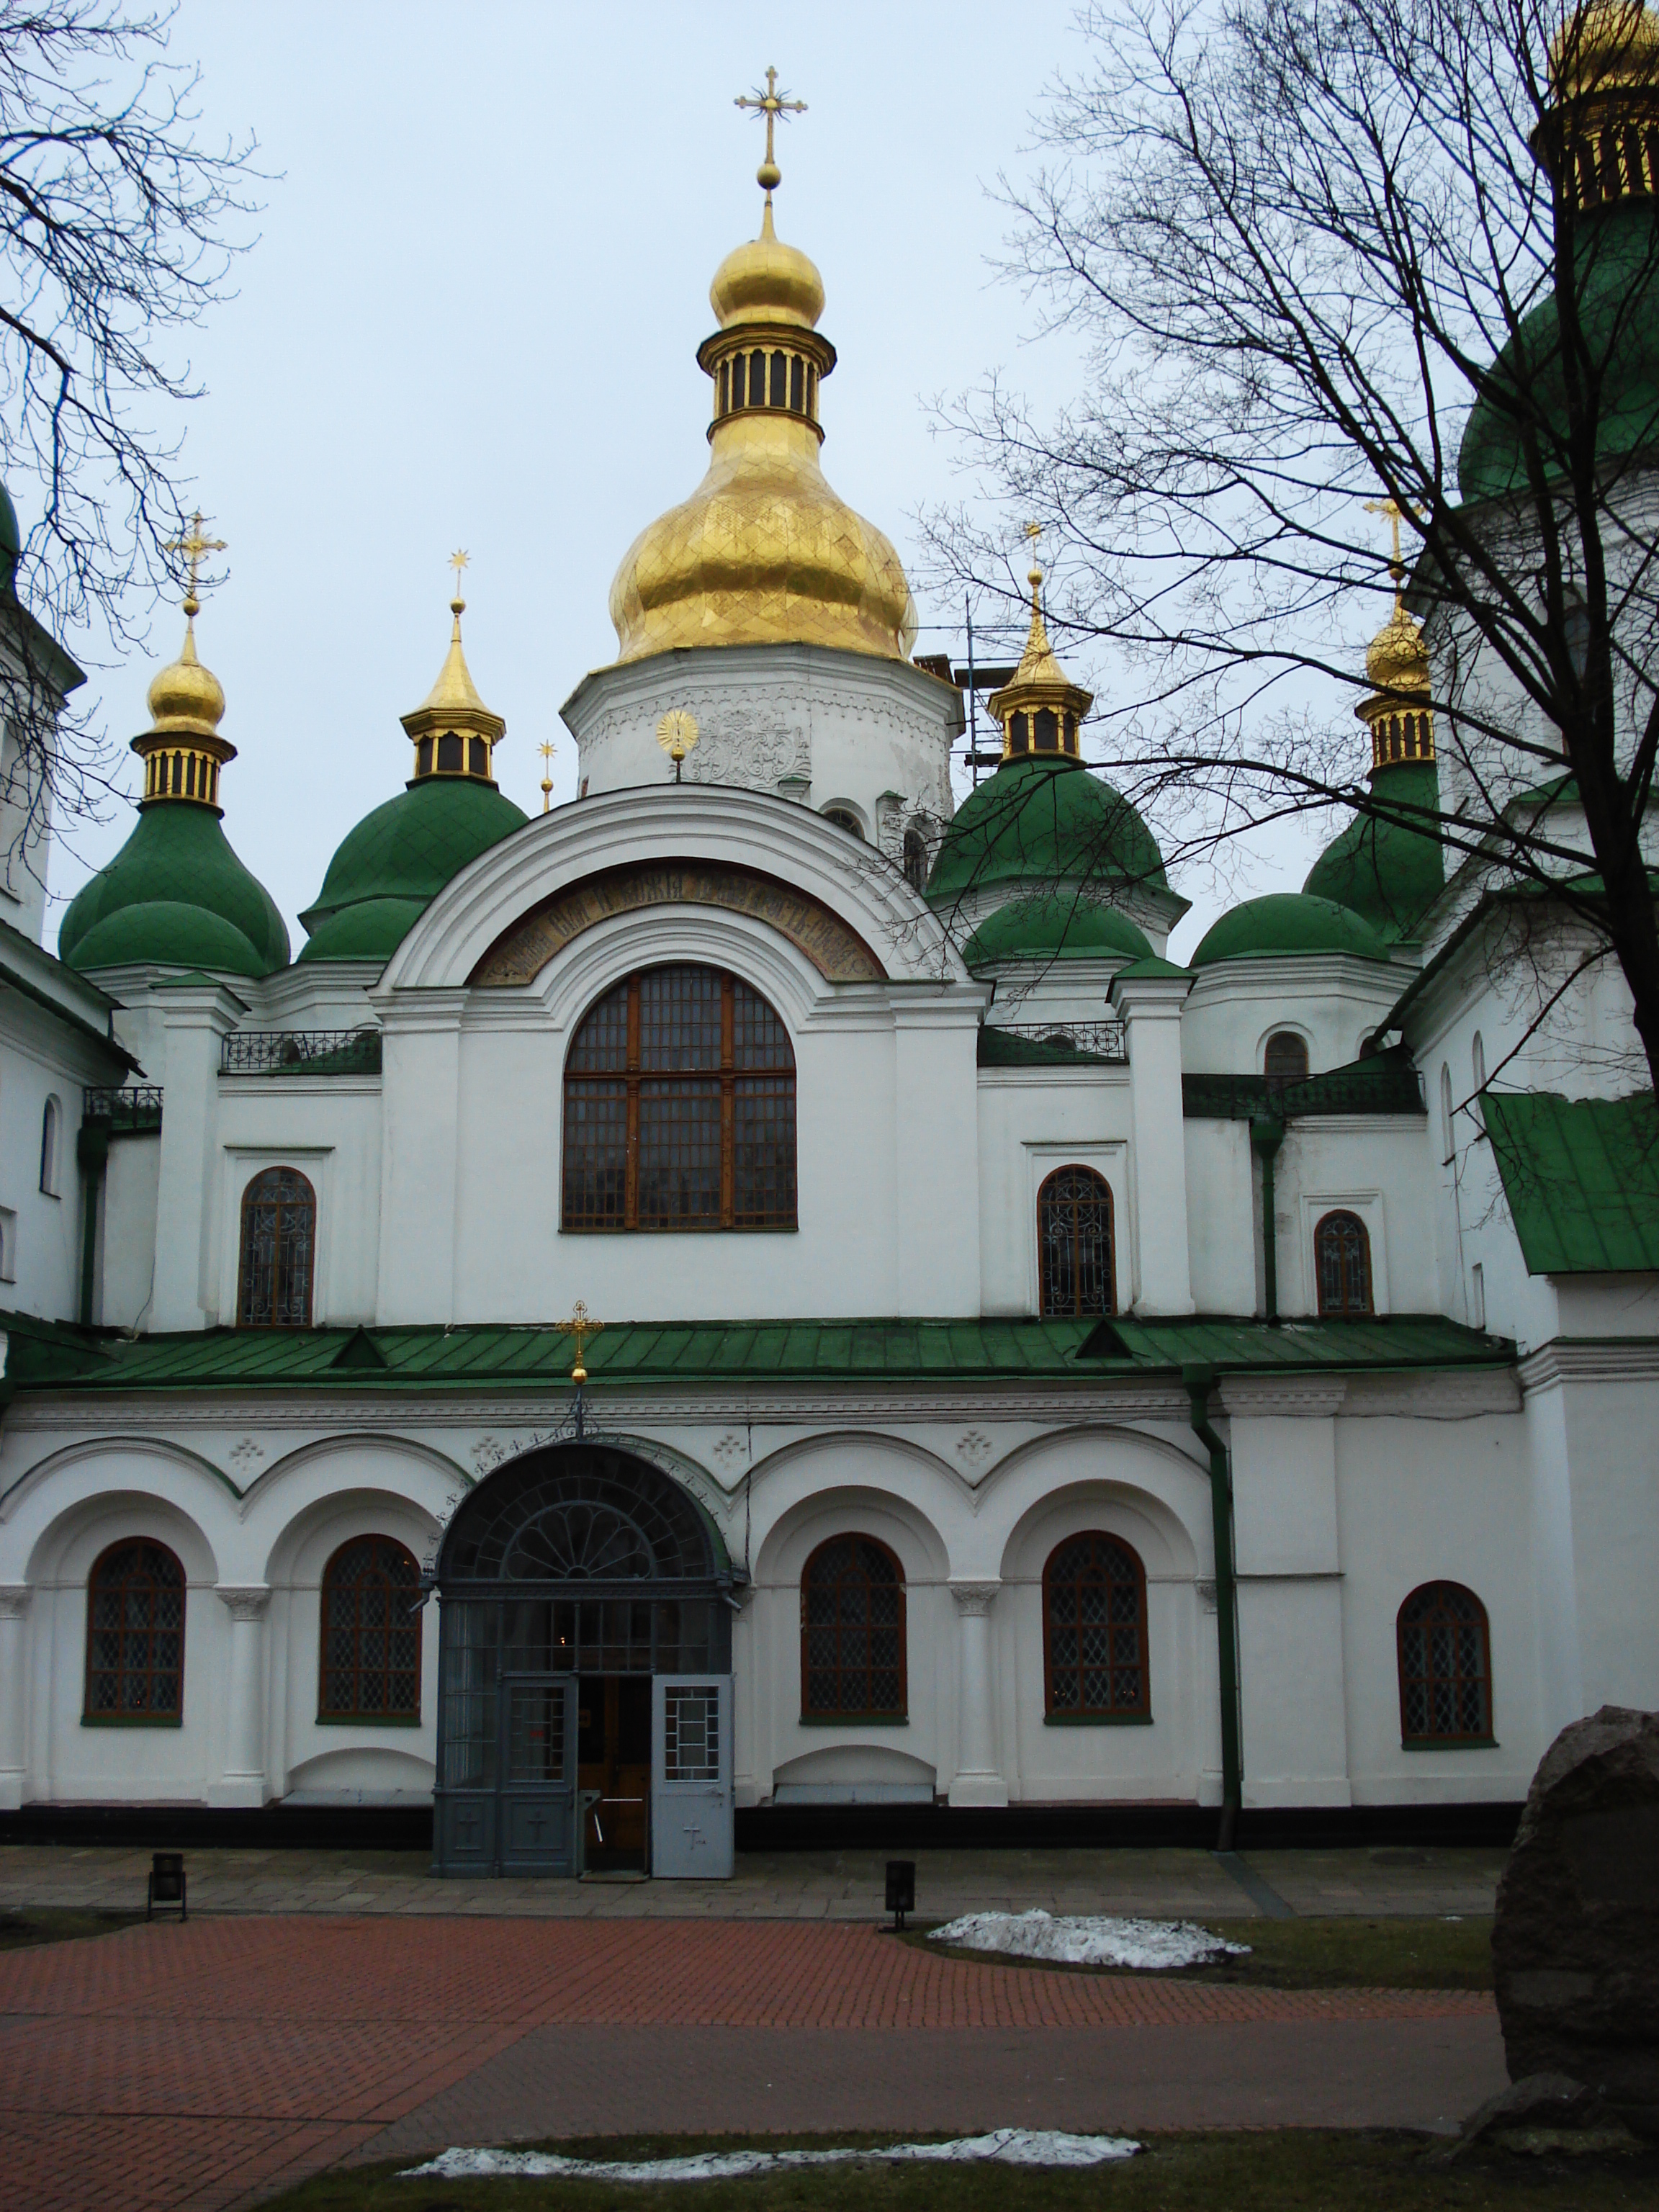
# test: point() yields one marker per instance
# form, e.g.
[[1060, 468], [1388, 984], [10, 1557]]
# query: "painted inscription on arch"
[[521, 952]]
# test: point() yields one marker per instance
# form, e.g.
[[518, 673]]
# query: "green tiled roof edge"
[[1582, 1179]]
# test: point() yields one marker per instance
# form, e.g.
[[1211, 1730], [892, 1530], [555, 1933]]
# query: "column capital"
[[15, 1599], [243, 1600], [974, 1600]]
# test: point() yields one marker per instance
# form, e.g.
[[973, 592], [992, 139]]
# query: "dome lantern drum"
[[1600, 138], [453, 732], [182, 750], [1040, 710]]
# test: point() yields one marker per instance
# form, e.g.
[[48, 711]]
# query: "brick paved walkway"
[[207, 2065]]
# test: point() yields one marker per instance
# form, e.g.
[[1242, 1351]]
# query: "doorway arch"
[[575, 1584]]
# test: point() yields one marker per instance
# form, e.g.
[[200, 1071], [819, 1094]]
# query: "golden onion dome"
[[185, 698], [1397, 659], [1607, 46], [764, 552]]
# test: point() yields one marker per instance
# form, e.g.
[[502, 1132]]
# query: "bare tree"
[[114, 225], [1321, 255]]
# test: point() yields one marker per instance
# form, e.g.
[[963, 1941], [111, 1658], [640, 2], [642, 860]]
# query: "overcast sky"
[[471, 319]]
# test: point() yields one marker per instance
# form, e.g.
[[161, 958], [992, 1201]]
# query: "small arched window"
[[1286, 1059], [915, 860], [1448, 1145], [1445, 1666], [51, 1117], [679, 1107], [852, 1632], [370, 1668], [1074, 1243], [844, 818], [1342, 1264], [1478, 1061], [279, 1237], [135, 1636], [1094, 1630]]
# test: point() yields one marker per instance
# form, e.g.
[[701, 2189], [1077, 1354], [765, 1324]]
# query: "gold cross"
[[771, 104], [458, 561], [194, 546], [1394, 511], [582, 1328]]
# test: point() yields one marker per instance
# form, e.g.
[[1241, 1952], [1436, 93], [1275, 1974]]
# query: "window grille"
[[852, 1632], [1445, 1666], [691, 1732], [915, 860], [1285, 1060], [578, 1514], [1342, 1263], [679, 1107], [371, 1656], [1074, 1243], [1094, 1630], [279, 1234], [301, 1052], [135, 1636]]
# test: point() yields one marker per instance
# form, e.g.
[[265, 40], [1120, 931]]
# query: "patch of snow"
[[1003, 2146], [1087, 1940]]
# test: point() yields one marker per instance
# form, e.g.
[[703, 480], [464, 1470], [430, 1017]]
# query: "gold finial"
[[194, 546], [677, 734], [1033, 574], [458, 561], [771, 104], [1395, 512], [581, 1327], [546, 749]]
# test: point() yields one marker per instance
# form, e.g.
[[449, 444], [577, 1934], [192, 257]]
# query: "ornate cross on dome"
[[771, 104], [1393, 510], [194, 547], [582, 1328]]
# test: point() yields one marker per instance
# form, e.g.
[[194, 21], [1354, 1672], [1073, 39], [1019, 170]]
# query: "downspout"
[[1267, 1135], [1198, 1382], [91, 1157]]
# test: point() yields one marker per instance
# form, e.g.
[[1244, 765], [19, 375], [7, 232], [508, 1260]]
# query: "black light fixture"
[[167, 1883], [901, 1890]]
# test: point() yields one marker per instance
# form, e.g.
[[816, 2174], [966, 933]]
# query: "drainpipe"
[[91, 1157], [1267, 1135], [1198, 1382]]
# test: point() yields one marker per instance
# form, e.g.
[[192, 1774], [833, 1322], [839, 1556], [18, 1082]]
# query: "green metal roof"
[[1385, 867], [641, 1353], [1044, 821], [390, 868], [175, 894], [1288, 926], [1581, 1177], [1056, 926]]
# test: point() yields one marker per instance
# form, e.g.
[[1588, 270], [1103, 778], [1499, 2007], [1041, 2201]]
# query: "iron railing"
[[1383, 1085], [133, 1109], [301, 1052], [1102, 1040]]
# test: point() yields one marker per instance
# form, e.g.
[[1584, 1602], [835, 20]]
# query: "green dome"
[[1288, 926], [1055, 928], [391, 867], [1619, 304], [175, 894], [1384, 871], [1045, 821]]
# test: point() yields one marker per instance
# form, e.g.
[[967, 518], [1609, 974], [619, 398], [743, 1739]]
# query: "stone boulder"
[[1575, 1940]]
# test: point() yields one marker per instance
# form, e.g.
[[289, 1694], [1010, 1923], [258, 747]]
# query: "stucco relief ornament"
[[974, 1449], [246, 1455], [1206, 1594], [244, 1600], [744, 746], [975, 1600], [487, 1453], [731, 1449]]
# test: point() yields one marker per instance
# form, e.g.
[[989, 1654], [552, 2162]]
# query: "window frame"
[[1483, 1622], [1279, 1036], [1096, 1716], [119, 1716], [1368, 1311], [1077, 1313], [867, 1715], [51, 1136], [358, 1716], [634, 1075], [248, 1200]]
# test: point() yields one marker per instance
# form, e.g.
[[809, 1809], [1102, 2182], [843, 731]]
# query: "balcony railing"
[[1100, 1039], [134, 1110], [301, 1052]]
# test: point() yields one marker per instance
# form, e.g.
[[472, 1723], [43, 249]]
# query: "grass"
[[58, 1926], [1270, 2170], [1343, 1952]]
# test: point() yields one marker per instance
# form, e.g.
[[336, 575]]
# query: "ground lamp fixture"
[[167, 1883], [901, 1890]]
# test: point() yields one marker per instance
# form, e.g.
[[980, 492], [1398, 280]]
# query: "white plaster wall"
[[1378, 1167], [39, 1059], [1335, 1002], [1222, 1217], [1032, 1120], [126, 1268], [329, 1128]]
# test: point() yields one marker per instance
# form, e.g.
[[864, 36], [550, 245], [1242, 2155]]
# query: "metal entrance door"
[[536, 1809], [691, 1776]]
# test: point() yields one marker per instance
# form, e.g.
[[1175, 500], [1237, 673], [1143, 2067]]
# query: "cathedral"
[[957, 1356]]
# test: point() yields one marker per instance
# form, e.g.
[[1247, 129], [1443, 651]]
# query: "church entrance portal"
[[584, 1675]]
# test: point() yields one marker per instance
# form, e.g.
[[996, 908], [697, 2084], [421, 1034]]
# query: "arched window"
[[1094, 1630], [1342, 1265], [279, 1237], [1478, 1061], [1074, 1243], [371, 1656], [679, 1107], [135, 1636], [1445, 1666], [1448, 1145], [852, 1632], [49, 1118], [844, 818], [1285, 1060], [915, 860]]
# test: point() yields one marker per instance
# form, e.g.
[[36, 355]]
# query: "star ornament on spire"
[[458, 561], [771, 104]]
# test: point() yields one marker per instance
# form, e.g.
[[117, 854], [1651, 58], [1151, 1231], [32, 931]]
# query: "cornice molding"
[[1590, 1359]]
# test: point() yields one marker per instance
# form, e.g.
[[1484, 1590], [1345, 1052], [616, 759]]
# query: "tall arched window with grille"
[[679, 1107], [852, 1632], [279, 1239], [370, 1668], [1074, 1243], [51, 1121], [1094, 1631], [1285, 1060], [135, 1637], [1342, 1265], [1445, 1666]]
